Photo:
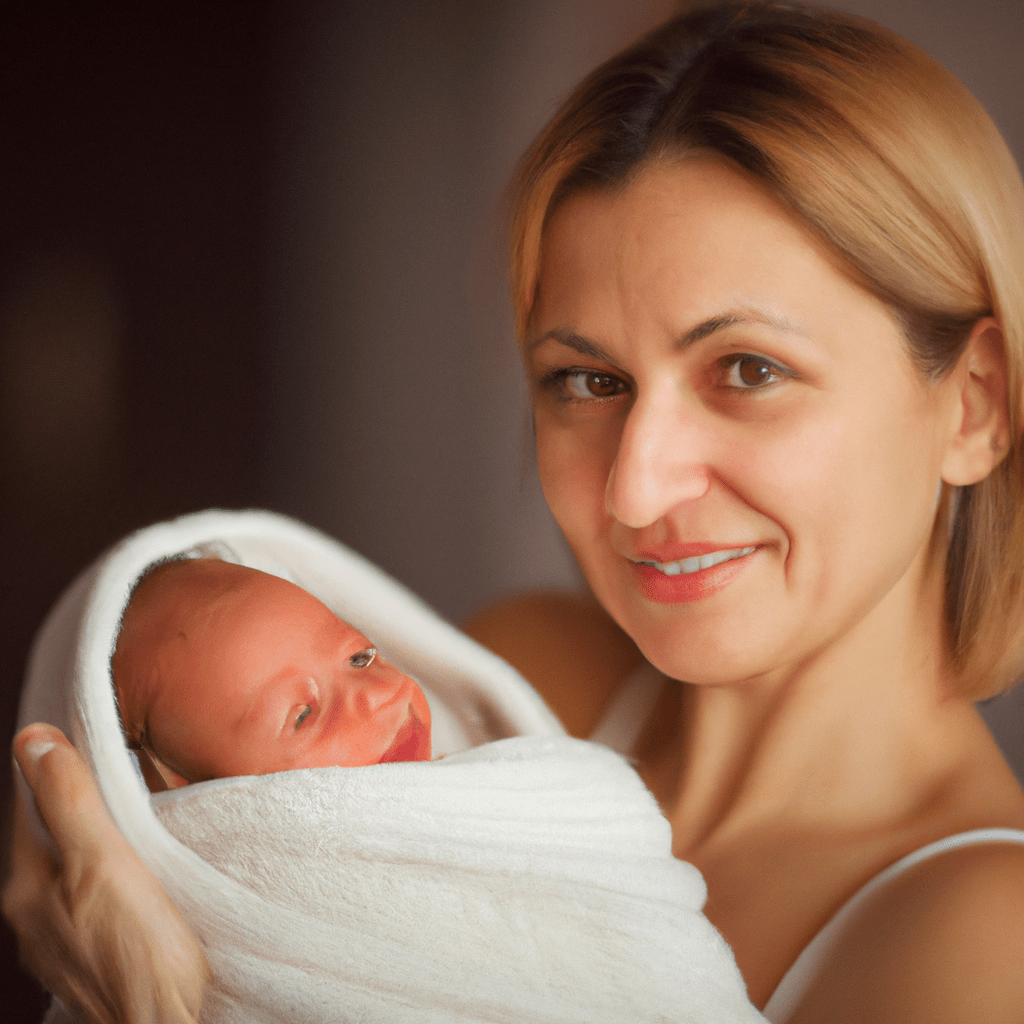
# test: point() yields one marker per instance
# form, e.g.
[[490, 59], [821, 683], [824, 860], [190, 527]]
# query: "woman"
[[767, 266]]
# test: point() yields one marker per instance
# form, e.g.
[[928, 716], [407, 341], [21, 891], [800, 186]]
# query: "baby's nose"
[[379, 686]]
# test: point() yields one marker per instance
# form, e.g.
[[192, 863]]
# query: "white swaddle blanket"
[[525, 877]]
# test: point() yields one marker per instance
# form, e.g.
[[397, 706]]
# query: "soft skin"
[[223, 670], [677, 452]]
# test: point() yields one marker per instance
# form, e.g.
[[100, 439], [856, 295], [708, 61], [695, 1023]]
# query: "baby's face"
[[222, 670]]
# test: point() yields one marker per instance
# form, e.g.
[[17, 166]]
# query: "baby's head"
[[224, 670]]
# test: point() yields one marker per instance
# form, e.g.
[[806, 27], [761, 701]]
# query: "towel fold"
[[524, 877]]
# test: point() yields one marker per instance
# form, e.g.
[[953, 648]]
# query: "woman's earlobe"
[[980, 435]]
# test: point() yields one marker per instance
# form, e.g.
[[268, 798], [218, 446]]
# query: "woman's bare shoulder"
[[942, 943], [566, 645]]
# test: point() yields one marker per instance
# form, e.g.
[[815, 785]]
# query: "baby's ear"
[[157, 775], [980, 430]]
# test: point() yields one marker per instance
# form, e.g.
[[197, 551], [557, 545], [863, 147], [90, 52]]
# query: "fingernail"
[[35, 749]]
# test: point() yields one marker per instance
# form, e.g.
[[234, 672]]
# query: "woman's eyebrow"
[[731, 318], [699, 332], [572, 340]]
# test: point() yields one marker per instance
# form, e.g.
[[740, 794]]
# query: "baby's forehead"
[[185, 593], [194, 573], [191, 583]]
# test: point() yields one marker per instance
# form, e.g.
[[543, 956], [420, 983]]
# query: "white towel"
[[526, 877]]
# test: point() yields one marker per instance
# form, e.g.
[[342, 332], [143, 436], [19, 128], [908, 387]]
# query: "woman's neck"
[[857, 736], [791, 790], [788, 794]]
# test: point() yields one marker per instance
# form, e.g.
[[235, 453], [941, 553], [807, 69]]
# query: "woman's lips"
[[411, 742], [693, 577], [695, 559]]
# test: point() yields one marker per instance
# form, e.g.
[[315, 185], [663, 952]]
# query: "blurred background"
[[251, 257]]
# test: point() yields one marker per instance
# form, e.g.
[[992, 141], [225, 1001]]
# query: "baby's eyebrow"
[[279, 689]]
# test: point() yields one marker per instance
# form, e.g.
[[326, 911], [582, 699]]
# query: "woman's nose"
[[661, 460]]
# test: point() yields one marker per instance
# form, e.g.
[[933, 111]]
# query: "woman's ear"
[[980, 428]]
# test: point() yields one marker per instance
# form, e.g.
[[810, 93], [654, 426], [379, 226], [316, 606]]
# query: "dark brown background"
[[249, 258]]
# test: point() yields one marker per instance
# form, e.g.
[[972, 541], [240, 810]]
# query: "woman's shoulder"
[[942, 941], [566, 645]]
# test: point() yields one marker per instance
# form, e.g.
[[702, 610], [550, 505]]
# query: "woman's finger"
[[93, 922], [69, 803]]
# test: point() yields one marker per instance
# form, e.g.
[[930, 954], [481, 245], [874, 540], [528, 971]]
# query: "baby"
[[496, 884], [224, 670]]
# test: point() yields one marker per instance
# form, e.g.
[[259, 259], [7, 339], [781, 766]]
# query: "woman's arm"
[[93, 923], [568, 648], [943, 944]]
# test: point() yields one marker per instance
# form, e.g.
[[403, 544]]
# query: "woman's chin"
[[706, 656]]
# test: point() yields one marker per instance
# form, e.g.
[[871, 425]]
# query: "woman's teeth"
[[687, 565]]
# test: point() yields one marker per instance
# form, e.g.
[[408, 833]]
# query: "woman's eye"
[[587, 384], [303, 715], [363, 658], [747, 373]]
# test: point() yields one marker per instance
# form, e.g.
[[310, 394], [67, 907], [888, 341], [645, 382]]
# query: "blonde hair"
[[893, 163]]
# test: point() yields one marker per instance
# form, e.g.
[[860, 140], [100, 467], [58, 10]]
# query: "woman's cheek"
[[573, 475]]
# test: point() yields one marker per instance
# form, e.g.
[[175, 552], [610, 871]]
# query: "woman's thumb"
[[66, 795]]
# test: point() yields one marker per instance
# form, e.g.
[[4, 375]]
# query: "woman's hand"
[[93, 923]]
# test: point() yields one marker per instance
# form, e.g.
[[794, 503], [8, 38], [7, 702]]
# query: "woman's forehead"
[[691, 241]]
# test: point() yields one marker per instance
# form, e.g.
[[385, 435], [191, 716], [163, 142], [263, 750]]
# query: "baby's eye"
[[588, 384], [748, 373], [303, 715], [363, 658]]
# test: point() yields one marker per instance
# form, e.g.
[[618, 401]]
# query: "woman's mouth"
[[692, 578], [685, 566]]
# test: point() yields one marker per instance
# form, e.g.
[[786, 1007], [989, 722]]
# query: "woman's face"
[[708, 384]]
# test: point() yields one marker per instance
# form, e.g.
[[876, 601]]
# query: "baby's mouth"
[[411, 742]]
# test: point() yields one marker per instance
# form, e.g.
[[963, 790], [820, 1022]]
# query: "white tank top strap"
[[798, 978], [629, 709]]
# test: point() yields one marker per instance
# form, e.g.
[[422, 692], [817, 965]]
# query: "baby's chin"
[[411, 742]]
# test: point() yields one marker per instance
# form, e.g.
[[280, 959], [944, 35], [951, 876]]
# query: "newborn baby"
[[522, 877], [224, 670]]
